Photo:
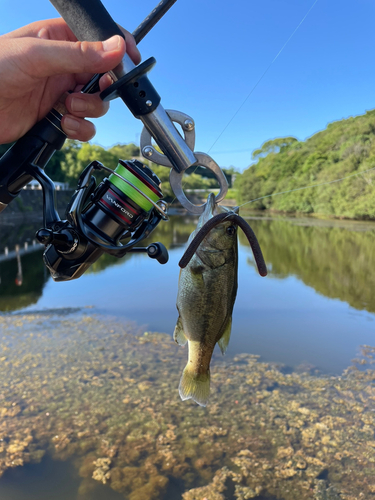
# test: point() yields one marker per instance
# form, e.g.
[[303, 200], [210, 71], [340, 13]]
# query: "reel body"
[[111, 217]]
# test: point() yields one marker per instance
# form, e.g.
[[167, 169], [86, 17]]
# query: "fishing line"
[[307, 187], [264, 73], [247, 150], [258, 82]]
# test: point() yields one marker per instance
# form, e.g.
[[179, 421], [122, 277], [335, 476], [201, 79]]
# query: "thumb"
[[43, 58]]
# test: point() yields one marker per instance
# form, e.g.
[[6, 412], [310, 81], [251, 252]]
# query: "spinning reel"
[[111, 217]]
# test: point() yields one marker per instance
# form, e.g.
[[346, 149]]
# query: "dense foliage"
[[344, 148], [67, 164]]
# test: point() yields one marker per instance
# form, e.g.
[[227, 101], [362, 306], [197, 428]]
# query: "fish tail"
[[195, 386]]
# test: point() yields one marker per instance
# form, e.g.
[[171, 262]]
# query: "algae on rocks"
[[88, 388]]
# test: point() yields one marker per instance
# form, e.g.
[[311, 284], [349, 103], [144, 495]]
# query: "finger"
[[131, 46], [57, 29], [43, 58], [105, 82], [53, 29], [77, 128], [86, 105]]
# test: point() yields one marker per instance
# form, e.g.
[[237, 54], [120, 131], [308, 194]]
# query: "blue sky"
[[211, 53]]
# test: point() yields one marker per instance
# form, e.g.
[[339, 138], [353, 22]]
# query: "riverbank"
[[28, 206]]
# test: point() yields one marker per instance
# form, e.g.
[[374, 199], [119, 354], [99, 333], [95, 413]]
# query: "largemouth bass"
[[206, 295], [207, 292]]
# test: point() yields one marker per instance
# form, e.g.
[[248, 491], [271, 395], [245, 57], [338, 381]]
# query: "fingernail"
[[111, 44], [43, 33], [78, 104], [71, 125]]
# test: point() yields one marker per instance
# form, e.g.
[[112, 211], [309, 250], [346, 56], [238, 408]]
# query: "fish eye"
[[231, 230]]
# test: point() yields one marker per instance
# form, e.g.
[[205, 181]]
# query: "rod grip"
[[88, 19]]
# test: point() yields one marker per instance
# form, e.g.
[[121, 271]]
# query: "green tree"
[[284, 165], [125, 151], [75, 156], [273, 146]]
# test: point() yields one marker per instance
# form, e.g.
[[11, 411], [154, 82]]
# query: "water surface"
[[316, 307], [89, 404]]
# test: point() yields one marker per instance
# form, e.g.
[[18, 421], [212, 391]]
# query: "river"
[[316, 306], [307, 319]]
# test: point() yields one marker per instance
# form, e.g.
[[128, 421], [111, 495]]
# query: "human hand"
[[41, 61]]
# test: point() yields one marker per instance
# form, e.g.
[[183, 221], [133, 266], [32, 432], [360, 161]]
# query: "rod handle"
[[88, 19]]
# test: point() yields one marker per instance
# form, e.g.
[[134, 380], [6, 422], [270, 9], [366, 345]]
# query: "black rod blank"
[[149, 22], [90, 21]]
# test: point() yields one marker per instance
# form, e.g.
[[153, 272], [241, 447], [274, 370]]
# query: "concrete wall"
[[29, 205]]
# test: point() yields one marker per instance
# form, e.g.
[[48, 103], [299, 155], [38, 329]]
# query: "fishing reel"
[[110, 217]]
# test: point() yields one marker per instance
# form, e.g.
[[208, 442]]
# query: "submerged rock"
[[91, 389]]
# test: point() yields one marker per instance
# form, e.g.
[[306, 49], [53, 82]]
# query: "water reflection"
[[281, 317], [336, 259], [338, 262], [23, 274], [22, 280]]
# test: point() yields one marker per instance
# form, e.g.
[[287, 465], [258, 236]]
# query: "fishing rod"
[[118, 213]]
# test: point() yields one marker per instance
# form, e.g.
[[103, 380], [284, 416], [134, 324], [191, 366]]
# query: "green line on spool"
[[130, 191]]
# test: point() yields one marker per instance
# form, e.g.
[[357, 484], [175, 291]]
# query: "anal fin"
[[178, 334], [224, 341]]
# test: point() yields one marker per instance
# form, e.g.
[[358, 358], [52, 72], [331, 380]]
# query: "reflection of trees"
[[103, 262], [14, 297], [34, 275], [173, 233], [336, 262]]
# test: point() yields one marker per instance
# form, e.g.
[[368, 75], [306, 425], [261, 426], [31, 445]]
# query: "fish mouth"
[[209, 210], [210, 205]]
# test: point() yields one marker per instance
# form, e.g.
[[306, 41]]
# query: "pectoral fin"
[[224, 341], [178, 334]]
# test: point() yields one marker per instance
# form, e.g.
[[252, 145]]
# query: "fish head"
[[224, 235]]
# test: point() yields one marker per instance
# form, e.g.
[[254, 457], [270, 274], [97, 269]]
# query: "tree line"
[[67, 164], [345, 149]]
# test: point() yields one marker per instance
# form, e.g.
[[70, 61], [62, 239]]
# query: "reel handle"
[[88, 19]]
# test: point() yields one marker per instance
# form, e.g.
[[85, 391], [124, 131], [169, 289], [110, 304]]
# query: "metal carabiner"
[[175, 179], [188, 126]]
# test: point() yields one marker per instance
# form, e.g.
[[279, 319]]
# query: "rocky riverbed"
[[102, 393]]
